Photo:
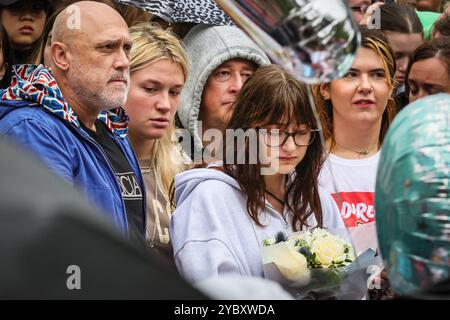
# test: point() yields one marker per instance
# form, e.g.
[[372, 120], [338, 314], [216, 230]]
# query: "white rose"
[[328, 249], [291, 264], [296, 269]]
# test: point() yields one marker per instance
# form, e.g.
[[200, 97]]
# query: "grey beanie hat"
[[207, 48]]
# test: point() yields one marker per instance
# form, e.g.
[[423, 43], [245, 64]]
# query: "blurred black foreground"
[[53, 245]]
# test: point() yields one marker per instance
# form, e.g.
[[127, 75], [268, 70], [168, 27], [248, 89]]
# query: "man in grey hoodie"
[[221, 59]]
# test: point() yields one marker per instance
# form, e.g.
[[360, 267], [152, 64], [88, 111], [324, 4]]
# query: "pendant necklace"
[[362, 153]]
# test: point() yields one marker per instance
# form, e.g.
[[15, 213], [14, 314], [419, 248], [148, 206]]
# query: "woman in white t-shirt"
[[356, 111]]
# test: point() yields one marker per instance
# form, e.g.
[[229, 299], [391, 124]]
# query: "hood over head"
[[208, 47]]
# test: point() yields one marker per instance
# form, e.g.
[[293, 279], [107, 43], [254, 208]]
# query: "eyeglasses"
[[34, 6], [277, 138]]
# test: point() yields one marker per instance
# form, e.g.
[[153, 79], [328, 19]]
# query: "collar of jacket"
[[36, 84]]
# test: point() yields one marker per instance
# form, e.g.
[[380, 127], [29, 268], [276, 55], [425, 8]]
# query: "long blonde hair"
[[150, 44]]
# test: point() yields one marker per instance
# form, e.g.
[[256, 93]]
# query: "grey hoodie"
[[207, 48], [212, 232]]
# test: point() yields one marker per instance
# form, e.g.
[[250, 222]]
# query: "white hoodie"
[[212, 232]]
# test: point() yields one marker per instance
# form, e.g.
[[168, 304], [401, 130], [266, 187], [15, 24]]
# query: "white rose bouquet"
[[316, 265], [322, 249]]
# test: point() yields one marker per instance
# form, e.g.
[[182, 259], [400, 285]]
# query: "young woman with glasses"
[[24, 23], [266, 184]]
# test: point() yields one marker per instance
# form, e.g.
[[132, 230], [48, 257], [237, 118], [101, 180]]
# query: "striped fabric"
[[178, 11], [36, 84]]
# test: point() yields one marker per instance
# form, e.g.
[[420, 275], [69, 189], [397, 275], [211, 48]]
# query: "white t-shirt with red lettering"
[[353, 188]]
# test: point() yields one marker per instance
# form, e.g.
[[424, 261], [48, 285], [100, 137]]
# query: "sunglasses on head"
[[34, 6]]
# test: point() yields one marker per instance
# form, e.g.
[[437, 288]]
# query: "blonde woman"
[[158, 70]]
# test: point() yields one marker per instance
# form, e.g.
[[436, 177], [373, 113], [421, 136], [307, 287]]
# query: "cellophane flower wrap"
[[317, 264]]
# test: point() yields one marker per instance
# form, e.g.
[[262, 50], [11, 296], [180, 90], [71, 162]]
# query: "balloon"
[[412, 199], [314, 39]]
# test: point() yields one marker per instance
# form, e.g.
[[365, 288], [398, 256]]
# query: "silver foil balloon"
[[412, 199], [314, 39]]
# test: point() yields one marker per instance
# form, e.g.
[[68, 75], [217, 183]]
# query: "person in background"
[[430, 5], [442, 27], [427, 19], [429, 69], [42, 54], [225, 211], [5, 59], [159, 69], [24, 23], [222, 58], [428, 11], [71, 117], [356, 111], [403, 29]]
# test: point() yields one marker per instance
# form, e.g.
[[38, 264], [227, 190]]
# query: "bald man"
[[71, 116]]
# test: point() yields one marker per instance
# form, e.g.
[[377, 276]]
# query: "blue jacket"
[[34, 113]]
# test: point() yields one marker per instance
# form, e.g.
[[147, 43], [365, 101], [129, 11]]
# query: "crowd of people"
[[137, 117]]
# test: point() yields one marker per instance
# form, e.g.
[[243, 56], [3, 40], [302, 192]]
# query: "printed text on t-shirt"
[[356, 207]]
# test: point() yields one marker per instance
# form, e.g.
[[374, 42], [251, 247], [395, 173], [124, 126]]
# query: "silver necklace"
[[362, 153]]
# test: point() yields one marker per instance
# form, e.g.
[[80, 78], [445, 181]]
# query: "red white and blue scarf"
[[36, 84]]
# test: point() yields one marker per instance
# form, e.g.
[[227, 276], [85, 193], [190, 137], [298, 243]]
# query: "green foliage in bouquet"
[[322, 249], [316, 264]]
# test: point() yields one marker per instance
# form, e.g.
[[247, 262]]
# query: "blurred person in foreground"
[[412, 200]]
